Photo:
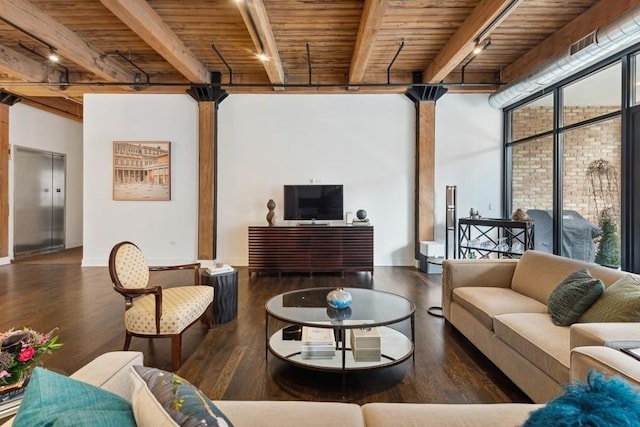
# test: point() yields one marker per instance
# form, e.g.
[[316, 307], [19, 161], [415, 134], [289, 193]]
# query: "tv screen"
[[313, 202]]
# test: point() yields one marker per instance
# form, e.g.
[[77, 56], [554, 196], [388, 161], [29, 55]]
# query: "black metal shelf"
[[493, 236]]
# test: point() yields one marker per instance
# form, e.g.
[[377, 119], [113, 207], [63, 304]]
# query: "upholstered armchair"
[[151, 311]]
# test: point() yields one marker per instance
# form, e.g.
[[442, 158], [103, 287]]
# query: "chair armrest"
[[611, 334], [195, 266], [458, 273], [604, 359], [130, 293]]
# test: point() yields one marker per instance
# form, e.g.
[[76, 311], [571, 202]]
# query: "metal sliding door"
[[39, 201]]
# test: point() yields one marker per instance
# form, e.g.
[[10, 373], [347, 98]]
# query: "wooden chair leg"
[[127, 341], [176, 351], [208, 316]]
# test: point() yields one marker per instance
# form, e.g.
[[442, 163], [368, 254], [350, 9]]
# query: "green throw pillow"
[[55, 400], [163, 398], [573, 296], [620, 302]]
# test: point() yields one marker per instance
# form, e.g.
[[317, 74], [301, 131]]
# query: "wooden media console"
[[310, 249]]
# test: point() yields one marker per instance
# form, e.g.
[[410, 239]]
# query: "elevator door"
[[39, 201]]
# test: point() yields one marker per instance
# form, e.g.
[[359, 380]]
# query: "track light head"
[[53, 56]]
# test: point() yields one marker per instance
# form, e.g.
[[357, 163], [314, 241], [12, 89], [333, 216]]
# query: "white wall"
[[365, 142], [33, 128], [165, 231], [469, 156]]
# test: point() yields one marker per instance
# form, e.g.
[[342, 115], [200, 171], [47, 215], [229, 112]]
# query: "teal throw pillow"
[[55, 400], [573, 296], [601, 401], [620, 302], [179, 401]]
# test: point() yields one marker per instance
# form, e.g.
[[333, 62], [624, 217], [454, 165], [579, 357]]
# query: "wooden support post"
[[4, 180], [425, 171], [207, 180]]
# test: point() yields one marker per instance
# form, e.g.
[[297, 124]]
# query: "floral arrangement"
[[20, 352]]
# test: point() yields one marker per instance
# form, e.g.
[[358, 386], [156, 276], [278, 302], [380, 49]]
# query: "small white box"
[[365, 344], [432, 249]]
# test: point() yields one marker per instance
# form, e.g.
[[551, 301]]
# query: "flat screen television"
[[313, 202]]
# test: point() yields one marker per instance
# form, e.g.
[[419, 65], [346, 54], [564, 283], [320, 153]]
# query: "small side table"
[[225, 294]]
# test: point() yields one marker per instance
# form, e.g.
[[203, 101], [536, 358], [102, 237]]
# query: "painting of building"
[[141, 170]]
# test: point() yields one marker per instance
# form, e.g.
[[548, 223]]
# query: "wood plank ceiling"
[[312, 46]]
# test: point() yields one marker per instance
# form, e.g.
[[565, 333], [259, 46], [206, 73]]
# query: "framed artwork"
[[142, 170]]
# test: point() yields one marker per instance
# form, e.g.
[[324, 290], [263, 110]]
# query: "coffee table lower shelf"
[[395, 347]]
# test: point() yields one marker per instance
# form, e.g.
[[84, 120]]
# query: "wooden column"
[[207, 180], [425, 172], [4, 180]]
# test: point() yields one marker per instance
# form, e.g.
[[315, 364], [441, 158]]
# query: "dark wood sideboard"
[[310, 249]]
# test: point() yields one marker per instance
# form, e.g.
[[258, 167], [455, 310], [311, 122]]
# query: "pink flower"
[[26, 354], [4, 374]]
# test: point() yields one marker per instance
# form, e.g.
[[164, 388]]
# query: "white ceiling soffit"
[[614, 37]]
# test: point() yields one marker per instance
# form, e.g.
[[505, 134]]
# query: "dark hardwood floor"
[[228, 361]]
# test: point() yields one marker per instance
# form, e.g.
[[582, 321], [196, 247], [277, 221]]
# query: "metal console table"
[[486, 236]]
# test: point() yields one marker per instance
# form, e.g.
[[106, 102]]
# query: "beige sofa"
[[501, 307], [112, 371]]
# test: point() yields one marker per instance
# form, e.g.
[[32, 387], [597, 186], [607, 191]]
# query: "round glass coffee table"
[[371, 314]]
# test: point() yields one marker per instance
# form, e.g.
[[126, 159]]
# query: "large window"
[[568, 162], [532, 119], [591, 192], [593, 96]]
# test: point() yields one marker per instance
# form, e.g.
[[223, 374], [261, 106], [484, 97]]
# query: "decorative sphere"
[[361, 214], [339, 298]]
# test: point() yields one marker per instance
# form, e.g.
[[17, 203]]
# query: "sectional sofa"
[[500, 305], [113, 372]]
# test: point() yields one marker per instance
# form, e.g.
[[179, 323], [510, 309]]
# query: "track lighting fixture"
[[53, 56], [480, 46]]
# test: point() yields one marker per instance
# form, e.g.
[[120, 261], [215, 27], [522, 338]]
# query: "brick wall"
[[533, 161]]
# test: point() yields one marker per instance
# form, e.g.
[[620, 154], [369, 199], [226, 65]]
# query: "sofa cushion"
[[446, 415], [55, 400], [535, 337], [610, 334], [620, 302], [111, 371], [162, 398], [573, 296], [604, 359], [601, 401], [487, 302], [292, 413], [538, 273]]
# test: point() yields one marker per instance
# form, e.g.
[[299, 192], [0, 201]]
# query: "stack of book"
[[318, 343], [10, 402], [218, 269]]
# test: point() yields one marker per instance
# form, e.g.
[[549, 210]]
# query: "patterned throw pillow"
[[162, 398], [620, 302], [55, 400], [573, 296]]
